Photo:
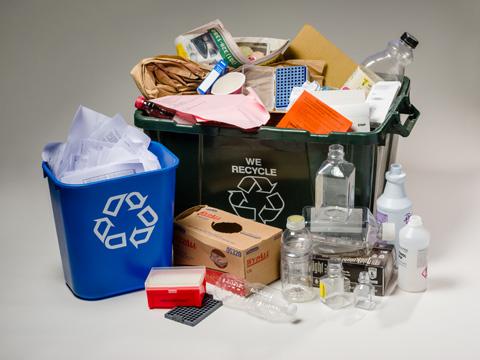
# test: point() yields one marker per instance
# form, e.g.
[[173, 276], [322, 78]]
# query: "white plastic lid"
[[228, 84], [415, 221], [295, 222], [388, 231], [175, 277]]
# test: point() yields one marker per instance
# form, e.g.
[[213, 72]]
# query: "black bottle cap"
[[409, 39]]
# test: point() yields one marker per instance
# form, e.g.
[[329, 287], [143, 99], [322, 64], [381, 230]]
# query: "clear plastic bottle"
[[256, 299], [412, 256], [335, 186], [364, 292], [296, 261], [334, 286], [393, 205], [390, 63]]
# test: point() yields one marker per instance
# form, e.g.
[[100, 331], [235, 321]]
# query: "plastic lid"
[[139, 102], [415, 221], [295, 222], [388, 231], [174, 277], [409, 39], [395, 174]]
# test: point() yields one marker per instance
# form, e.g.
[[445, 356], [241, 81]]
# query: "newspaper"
[[211, 42]]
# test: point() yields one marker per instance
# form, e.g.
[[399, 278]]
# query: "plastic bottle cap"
[[295, 222], [395, 174], [363, 277], [415, 220], [388, 231], [139, 102], [409, 39]]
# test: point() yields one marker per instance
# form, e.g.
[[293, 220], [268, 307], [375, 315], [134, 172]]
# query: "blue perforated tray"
[[285, 79]]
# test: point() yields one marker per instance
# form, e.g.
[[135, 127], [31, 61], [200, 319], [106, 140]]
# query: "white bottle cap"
[[415, 221], [395, 174], [295, 222], [388, 231]]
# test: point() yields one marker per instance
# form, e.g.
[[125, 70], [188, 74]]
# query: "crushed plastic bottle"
[[256, 299], [390, 63]]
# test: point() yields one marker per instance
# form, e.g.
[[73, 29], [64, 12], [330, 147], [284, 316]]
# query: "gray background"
[[58, 55]]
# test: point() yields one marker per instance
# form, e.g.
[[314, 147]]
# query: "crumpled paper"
[[165, 75], [99, 148]]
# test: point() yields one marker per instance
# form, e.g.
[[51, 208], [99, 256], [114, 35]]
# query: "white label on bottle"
[[412, 267]]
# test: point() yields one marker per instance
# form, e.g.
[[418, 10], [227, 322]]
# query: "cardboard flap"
[[310, 44]]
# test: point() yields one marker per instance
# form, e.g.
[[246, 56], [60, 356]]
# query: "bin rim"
[[392, 124], [47, 172]]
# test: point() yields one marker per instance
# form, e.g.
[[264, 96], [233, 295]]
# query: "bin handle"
[[405, 107]]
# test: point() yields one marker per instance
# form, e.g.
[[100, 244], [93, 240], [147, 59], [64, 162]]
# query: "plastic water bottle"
[[256, 299], [390, 63], [393, 205], [412, 256], [296, 261], [335, 186]]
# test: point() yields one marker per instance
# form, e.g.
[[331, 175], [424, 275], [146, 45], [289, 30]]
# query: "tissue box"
[[227, 243]]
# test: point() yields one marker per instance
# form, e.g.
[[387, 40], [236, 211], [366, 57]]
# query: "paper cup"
[[230, 83]]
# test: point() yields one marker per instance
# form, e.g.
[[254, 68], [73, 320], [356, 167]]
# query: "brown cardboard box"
[[224, 242], [310, 44]]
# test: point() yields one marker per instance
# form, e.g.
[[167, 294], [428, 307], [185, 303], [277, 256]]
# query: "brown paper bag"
[[164, 75]]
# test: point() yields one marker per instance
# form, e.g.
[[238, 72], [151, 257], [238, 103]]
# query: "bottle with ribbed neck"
[[335, 186]]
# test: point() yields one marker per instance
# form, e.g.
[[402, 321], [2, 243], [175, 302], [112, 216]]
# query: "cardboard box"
[[227, 243], [379, 263], [310, 44]]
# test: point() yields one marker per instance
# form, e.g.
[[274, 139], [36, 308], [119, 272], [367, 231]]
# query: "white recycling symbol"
[[146, 215], [248, 185]]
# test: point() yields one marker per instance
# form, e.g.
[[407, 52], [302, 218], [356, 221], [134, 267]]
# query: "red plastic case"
[[175, 286]]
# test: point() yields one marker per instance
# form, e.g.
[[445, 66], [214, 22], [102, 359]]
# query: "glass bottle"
[[334, 286], [335, 186], [296, 261], [390, 63], [364, 292]]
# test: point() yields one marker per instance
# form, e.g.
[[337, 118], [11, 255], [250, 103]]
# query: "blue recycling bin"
[[111, 232]]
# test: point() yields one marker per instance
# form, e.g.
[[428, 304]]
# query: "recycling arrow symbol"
[[242, 203], [104, 225]]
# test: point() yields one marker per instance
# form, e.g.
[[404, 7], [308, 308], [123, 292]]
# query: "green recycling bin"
[[269, 174]]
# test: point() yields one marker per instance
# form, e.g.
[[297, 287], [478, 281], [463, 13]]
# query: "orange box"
[[311, 114]]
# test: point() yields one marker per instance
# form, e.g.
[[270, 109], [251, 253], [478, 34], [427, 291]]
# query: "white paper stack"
[[99, 147]]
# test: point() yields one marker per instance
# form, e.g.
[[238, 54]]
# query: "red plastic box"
[[175, 286]]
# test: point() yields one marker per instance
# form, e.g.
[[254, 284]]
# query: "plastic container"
[[393, 205], [168, 287], [412, 256], [390, 63], [274, 168], [335, 186], [256, 299], [112, 232], [296, 263]]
